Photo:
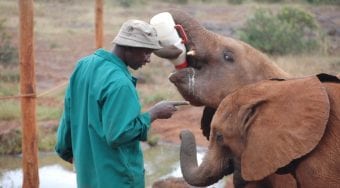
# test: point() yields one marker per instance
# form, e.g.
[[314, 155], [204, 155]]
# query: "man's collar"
[[117, 61]]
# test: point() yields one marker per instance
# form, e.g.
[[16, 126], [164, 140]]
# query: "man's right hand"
[[165, 109]]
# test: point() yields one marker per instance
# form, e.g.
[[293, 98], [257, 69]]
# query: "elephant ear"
[[289, 123], [208, 114]]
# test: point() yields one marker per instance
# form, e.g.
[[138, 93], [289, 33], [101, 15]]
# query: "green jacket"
[[102, 124]]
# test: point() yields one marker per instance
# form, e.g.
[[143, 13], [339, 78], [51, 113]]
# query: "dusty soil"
[[56, 56], [185, 118]]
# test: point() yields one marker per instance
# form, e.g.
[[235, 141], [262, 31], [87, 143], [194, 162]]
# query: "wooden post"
[[99, 23], [28, 102]]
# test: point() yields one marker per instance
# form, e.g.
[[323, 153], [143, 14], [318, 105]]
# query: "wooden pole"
[[28, 103], [99, 23]]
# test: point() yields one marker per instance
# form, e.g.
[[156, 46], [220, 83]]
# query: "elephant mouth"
[[185, 82], [229, 168]]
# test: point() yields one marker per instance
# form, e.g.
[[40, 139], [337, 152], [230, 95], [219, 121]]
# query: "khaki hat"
[[137, 33]]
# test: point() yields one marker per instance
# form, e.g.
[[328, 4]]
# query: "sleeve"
[[122, 119], [64, 140]]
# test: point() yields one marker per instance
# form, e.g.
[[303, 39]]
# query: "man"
[[102, 124]]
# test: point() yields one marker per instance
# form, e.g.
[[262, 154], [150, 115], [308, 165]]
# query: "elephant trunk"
[[204, 175], [198, 36], [190, 24]]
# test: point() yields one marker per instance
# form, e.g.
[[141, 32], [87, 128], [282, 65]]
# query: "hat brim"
[[123, 41]]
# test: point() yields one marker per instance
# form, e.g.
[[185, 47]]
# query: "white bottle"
[[168, 35]]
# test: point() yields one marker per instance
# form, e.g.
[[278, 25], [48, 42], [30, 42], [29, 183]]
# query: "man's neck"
[[119, 51]]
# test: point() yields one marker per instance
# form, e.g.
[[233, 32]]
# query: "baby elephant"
[[272, 127]]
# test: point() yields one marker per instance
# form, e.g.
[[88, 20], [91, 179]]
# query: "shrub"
[[10, 142], [181, 1], [324, 1], [126, 3], [8, 53], [290, 31], [235, 1], [270, 1]]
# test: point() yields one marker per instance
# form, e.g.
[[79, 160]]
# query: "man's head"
[[137, 40]]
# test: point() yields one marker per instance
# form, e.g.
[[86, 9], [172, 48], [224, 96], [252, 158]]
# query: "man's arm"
[[64, 137]]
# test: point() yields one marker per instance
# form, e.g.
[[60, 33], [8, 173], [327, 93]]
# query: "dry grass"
[[309, 64], [64, 32]]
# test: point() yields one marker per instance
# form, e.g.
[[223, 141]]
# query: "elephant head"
[[264, 128], [217, 64]]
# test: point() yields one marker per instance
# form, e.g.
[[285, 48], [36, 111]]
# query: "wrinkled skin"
[[219, 164], [217, 66], [272, 127]]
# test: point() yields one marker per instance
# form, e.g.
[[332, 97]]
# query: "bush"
[[126, 3], [291, 31], [270, 1], [235, 1], [8, 53], [10, 142], [324, 1]]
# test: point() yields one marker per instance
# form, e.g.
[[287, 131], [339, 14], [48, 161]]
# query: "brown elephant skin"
[[217, 64], [273, 127]]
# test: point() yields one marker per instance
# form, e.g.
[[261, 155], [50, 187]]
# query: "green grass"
[[9, 81], [9, 75], [58, 22], [47, 141], [9, 110], [45, 113]]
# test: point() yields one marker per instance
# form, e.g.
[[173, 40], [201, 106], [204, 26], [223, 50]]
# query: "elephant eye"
[[219, 137], [228, 56]]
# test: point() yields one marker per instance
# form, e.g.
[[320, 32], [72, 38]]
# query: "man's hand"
[[165, 109]]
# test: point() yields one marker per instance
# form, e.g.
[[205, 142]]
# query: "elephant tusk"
[[191, 53]]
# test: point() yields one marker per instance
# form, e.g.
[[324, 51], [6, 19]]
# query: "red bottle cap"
[[182, 65]]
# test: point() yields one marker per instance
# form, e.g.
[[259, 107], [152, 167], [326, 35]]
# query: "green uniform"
[[102, 124]]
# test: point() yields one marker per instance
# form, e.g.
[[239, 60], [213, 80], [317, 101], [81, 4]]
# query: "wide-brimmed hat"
[[137, 33]]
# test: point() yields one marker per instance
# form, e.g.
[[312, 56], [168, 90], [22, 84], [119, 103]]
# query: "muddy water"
[[160, 162]]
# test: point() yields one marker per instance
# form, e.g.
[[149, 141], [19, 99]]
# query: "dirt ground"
[[49, 75], [185, 118], [56, 56]]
